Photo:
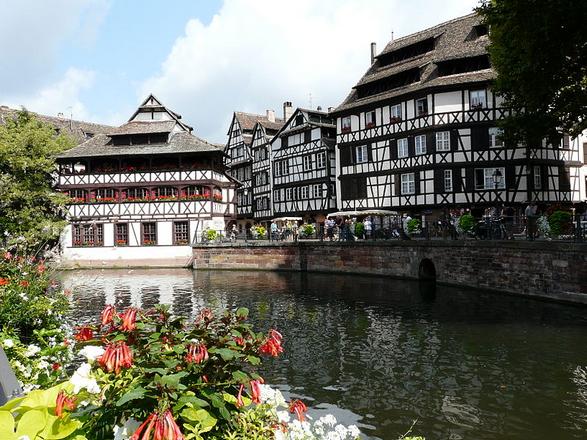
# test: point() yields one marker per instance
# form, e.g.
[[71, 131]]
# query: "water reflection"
[[381, 352]]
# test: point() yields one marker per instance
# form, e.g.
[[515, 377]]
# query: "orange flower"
[[63, 401], [129, 318], [162, 425], [299, 408], [84, 334], [4, 281], [272, 346], [24, 283], [116, 357], [197, 353], [255, 391], [107, 314]]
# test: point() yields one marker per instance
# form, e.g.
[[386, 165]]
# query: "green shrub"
[[209, 235], [560, 223], [258, 232], [307, 230], [466, 223], [414, 225], [359, 229]]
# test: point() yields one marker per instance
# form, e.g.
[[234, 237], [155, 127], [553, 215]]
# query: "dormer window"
[[370, 119], [299, 120], [478, 99], [346, 124], [422, 107], [480, 30]]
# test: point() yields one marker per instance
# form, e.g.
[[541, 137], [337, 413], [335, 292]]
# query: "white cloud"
[[254, 55], [60, 97], [32, 33]]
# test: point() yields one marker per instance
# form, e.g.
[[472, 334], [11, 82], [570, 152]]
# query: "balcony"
[[151, 177]]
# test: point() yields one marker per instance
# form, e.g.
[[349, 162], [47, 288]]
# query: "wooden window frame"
[[148, 242], [447, 178], [479, 105], [373, 122], [80, 237], [408, 186], [420, 149], [397, 117], [424, 111], [401, 150], [181, 241], [344, 127], [442, 144], [121, 239], [362, 154]]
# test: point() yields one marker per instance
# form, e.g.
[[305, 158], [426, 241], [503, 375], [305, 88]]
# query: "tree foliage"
[[539, 50], [31, 211]]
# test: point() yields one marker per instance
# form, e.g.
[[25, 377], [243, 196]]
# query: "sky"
[[97, 60]]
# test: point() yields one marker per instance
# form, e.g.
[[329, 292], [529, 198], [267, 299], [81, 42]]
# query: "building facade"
[[419, 132], [239, 158], [144, 191], [303, 166]]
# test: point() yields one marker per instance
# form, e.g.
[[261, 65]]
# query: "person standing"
[[273, 228], [368, 227], [530, 213]]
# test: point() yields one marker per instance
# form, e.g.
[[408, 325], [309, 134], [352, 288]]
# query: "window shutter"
[[417, 182], [479, 138], [438, 181], [370, 152], [544, 177], [431, 142], [470, 179], [566, 141], [454, 140], [393, 149], [353, 157], [510, 177], [398, 185], [307, 136], [345, 156], [284, 141], [361, 187], [411, 146]]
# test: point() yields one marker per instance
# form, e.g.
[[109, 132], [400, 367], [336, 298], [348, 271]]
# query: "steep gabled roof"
[[458, 39], [247, 121], [314, 118], [151, 103], [79, 130]]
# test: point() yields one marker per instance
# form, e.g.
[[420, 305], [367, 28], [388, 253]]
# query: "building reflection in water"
[[464, 363]]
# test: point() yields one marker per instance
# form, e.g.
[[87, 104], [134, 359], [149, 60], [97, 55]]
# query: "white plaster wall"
[[447, 102], [134, 234], [127, 256], [108, 234], [164, 233]]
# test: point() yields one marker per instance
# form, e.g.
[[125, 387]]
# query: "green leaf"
[[240, 376], [31, 423], [135, 393], [193, 400], [172, 380], [62, 428], [242, 312], [225, 353], [253, 360], [6, 425]]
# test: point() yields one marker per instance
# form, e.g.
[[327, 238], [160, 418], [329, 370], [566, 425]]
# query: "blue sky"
[[204, 59]]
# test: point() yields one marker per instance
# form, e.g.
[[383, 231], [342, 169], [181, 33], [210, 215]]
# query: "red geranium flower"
[[63, 401], [107, 314], [116, 357], [56, 366]]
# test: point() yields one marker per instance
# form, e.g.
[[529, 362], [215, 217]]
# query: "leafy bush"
[[560, 223], [307, 230], [359, 229], [209, 235], [33, 332], [258, 232], [466, 223], [414, 225]]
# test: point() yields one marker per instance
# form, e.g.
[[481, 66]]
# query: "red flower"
[[197, 353], [63, 401], [24, 283], [239, 341], [4, 281], [107, 314], [41, 268], [116, 357], [162, 425], [272, 346], [205, 315], [56, 366], [7, 256], [299, 408], [255, 391], [84, 334], [239, 397], [129, 318]]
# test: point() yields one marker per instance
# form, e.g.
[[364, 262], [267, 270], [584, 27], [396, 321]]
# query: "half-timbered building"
[[419, 131], [263, 132], [239, 158], [304, 170], [144, 191]]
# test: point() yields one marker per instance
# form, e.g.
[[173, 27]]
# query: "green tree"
[[31, 212], [539, 50]]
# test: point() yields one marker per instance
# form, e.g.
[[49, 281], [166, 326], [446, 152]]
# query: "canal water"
[[385, 354]]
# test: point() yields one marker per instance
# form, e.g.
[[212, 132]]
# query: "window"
[[149, 235], [105, 195], [77, 195], [320, 160], [277, 195], [443, 141], [477, 99], [422, 107], [121, 234], [295, 139], [317, 190], [362, 153], [240, 151], [484, 178], [193, 191], [537, 177], [395, 113], [88, 235], [353, 188], [277, 169], [308, 163], [370, 119], [495, 137], [181, 235], [288, 194], [402, 147], [299, 120], [420, 144], [346, 124], [165, 192], [408, 183], [136, 194], [447, 176], [304, 192]]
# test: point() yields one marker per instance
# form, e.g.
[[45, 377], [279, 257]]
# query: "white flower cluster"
[[83, 379], [325, 428]]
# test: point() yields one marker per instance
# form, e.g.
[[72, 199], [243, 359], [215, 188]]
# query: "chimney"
[[373, 52], [287, 110], [330, 109], [319, 108], [271, 115]]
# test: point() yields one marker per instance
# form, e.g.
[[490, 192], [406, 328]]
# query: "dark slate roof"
[[79, 130], [182, 142], [454, 39], [144, 127], [248, 120]]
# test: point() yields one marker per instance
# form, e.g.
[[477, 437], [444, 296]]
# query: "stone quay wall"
[[551, 270]]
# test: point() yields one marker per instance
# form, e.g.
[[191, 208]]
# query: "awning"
[[377, 212], [288, 219]]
